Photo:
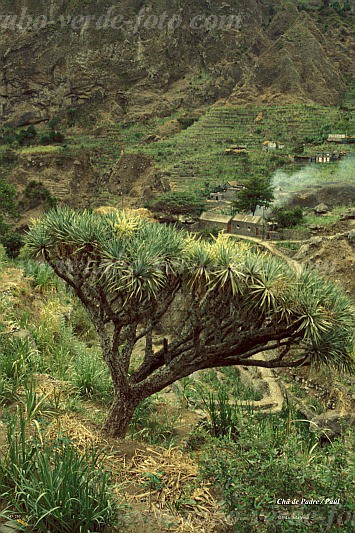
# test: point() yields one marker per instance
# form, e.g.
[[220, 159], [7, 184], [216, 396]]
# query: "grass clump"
[[91, 376], [152, 426], [54, 486], [42, 276]]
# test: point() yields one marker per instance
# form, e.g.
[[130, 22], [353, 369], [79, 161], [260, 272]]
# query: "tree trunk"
[[121, 413]]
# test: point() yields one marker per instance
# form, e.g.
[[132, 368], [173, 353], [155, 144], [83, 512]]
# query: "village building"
[[248, 225], [323, 158], [320, 157], [211, 221], [306, 159], [340, 138], [228, 192], [272, 145]]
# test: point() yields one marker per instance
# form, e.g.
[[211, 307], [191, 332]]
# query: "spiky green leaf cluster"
[[138, 260]]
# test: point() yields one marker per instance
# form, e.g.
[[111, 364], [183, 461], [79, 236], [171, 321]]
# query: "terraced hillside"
[[196, 155], [88, 169]]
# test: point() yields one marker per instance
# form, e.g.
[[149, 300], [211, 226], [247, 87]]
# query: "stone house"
[[248, 225], [210, 221], [236, 150], [228, 192]]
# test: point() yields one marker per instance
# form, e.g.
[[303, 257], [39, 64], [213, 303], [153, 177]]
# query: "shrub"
[[42, 276], [72, 116], [36, 194], [153, 426], [53, 137], [186, 122], [91, 377], [3, 226], [7, 136], [26, 137], [7, 197], [2, 253], [223, 416], [178, 203], [288, 217], [15, 358], [274, 457], [12, 242]]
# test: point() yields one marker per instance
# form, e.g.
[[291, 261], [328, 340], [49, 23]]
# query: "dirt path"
[[273, 397], [271, 247]]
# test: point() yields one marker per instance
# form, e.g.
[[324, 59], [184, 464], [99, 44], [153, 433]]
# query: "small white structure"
[[272, 145]]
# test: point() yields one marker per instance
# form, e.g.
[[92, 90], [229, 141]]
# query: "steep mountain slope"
[[109, 61]]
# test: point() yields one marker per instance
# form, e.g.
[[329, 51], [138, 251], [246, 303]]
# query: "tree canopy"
[[238, 306], [257, 192], [178, 203]]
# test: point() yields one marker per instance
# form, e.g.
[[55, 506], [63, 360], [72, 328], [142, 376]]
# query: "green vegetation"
[[196, 154], [287, 217], [56, 374], [54, 486], [273, 458], [257, 192], [35, 194], [7, 197], [10, 239], [127, 272], [30, 137], [175, 203]]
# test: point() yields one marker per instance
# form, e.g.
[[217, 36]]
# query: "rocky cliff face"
[[113, 60]]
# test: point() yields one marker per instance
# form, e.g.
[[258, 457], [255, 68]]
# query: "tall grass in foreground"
[[54, 486]]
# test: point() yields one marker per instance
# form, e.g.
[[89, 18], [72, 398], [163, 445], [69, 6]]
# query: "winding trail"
[[273, 395], [271, 247]]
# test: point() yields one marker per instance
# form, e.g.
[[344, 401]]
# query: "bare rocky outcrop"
[[126, 60]]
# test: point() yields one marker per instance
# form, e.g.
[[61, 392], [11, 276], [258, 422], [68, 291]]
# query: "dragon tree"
[[240, 307]]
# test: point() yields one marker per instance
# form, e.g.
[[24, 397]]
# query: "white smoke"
[[313, 176]]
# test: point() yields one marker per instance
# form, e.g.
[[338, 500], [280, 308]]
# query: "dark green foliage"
[[299, 149], [9, 238], [72, 116], [324, 131], [3, 227], [30, 136], [7, 136], [8, 158], [272, 457], [53, 137], [209, 234], [287, 217], [223, 416], [257, 192], [186, 122], [53, 123], [13, 242], [178, 203], [54, 486], [7, 197], [36, 194], [26, 137]]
